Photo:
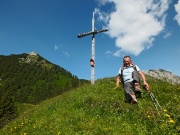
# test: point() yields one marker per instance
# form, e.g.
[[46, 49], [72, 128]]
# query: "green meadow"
[[100, 110]]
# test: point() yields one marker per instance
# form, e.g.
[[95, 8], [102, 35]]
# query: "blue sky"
[[147, 30]]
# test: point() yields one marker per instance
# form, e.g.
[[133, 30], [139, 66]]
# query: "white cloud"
[[108, 52], [102, 16], [134, 23], [67, 54], [168, 34], [177, 8], [56, 47]]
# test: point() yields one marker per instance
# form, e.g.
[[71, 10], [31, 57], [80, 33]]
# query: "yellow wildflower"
[[148, 116], [167, 115], [165, 110], [171, 120]]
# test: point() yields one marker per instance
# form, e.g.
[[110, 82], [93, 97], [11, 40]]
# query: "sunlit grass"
[[100, 110]]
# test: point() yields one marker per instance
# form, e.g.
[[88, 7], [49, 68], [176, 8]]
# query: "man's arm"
[[118, 80], [144, 80], [143, 77]]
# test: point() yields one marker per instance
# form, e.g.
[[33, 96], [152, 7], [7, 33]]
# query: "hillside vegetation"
[[100, 110], [29, 78]]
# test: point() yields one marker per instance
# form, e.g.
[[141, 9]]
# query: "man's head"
[[127, 60]]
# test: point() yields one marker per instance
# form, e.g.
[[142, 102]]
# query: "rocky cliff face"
[[164, 75]]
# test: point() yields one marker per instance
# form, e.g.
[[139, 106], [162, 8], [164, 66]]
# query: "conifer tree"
[[8, 110]]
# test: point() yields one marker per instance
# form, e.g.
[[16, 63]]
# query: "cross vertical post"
[[93, 53], [93, 32]]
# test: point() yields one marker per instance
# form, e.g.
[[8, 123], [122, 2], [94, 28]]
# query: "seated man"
[[129, 76]]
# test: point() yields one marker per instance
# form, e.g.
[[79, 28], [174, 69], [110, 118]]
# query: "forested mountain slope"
[[31, 79]]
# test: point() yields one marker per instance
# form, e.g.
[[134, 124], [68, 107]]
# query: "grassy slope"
[[100, 110]]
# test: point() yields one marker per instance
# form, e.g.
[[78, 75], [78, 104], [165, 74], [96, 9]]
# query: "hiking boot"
[[128, 98], [138, 94], [133, 102], [137, 87], [133, 98]]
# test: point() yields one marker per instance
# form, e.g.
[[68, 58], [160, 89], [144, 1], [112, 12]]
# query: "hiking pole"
[[154, 100], [152, 95]]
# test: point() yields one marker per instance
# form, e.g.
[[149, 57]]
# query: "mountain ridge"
[[163, 75]]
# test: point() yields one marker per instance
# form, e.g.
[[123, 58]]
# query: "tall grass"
[[100, 110]]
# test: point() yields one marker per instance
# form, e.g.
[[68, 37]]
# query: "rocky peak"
[[31, 58], [33, 54], [164, 75]]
